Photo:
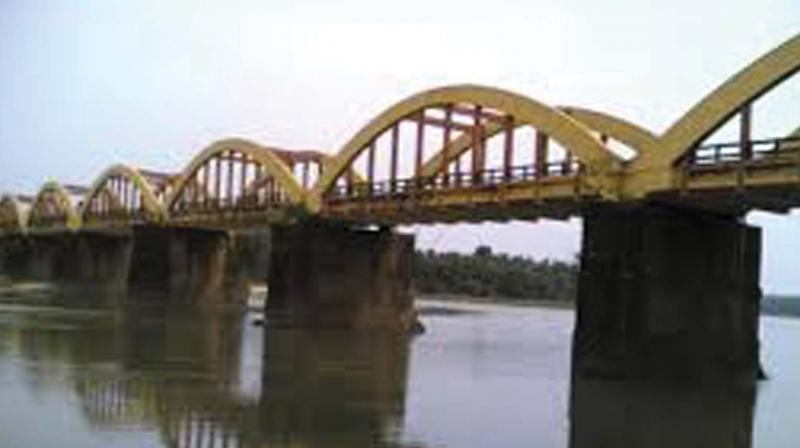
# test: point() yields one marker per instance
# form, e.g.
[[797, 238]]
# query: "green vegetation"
[[484, 274], [518, 279]]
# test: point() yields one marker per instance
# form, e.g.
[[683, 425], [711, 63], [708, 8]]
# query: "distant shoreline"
[[456, 298], [783, 306], [778, 306], [771, 305]]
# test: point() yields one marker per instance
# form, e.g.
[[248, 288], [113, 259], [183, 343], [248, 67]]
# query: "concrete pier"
[[85, 261], [325, 276], [189, 265], [15, 257], [667, 294]]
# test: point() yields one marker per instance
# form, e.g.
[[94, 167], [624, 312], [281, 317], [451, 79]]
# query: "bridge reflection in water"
[[346, 389], [201, 380], [316, 388], [623, 414]]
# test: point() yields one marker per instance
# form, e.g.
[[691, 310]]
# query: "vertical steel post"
[[371, 166], [259, 179], [541, 154], [745, 130], [245, 165], [566, 168], [448, 117], [478, 150], [395, 143], [218, 180], [508, 147], [206, 184], [420, 144], [229, 192]]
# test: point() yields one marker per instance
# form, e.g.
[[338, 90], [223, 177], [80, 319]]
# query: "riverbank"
[[459, 298], [783, 306], [778, 306], [39, 292]]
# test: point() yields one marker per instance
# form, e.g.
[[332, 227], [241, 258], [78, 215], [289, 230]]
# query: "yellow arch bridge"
[[457, 153], [661, 211]]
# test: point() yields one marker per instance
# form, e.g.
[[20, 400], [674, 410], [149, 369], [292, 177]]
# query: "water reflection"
[[644, 415], [186, 378], [183, 375], [332, 388]]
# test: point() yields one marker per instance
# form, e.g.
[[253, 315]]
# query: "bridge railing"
[[764, 152], [119, 216], [488, 178]]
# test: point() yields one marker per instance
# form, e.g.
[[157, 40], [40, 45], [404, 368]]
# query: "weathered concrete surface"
[[666, 294], [84, 261], [15, 252], [188, 265], [249, 251], [184, 265], [325, 276]]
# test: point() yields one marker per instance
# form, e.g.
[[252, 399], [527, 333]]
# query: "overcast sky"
[[85, 84]]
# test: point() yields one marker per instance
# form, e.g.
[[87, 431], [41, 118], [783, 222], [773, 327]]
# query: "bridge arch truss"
[[53, 209], [13, 215], [122, 196], [440, 146], [234, 180]]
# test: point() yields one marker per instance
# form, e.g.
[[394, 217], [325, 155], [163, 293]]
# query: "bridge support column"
[[82, 261], [667, 294], [326, 276], [15, 257], [96, 261], [189, 265]]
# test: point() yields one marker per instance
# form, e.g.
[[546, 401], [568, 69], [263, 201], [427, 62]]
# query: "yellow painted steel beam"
[[628, 133], [532, 198], [632, 135], [720, 105]]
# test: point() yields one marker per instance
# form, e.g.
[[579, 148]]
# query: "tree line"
[[485, 274]]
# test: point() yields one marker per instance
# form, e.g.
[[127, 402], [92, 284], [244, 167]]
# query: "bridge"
[[667, 261]]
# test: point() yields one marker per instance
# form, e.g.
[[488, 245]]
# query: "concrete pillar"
[[251, 253], [15, 257], [84, 261], [97, 260], [332, 276], [181, 264], [667, 294]]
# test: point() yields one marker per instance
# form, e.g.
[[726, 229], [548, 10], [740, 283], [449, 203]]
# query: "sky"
[[86, 84]]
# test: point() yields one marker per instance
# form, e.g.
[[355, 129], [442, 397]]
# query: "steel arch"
[[632, 135], [13, 217], [150, 205], [52, 194], [717, 107], [569, 132], [267, 159]]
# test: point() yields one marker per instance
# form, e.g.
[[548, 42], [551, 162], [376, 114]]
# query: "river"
[[76, 374]]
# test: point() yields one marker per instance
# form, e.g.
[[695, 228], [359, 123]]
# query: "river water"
[[481, 376]]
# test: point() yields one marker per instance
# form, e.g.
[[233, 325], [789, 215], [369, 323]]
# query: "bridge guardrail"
[[488, 178]]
